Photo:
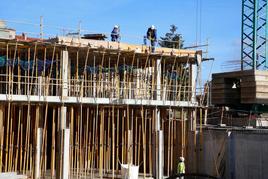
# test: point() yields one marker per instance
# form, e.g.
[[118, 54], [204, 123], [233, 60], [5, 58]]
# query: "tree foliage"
[[172, 39]]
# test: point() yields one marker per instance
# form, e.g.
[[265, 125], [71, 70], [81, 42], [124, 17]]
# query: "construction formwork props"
[[110, 106]]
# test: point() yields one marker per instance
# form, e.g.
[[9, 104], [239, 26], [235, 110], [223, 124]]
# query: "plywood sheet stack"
[[254, 88], [240, 87], [223, 92]]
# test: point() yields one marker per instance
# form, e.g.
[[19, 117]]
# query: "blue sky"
[[221, 21]]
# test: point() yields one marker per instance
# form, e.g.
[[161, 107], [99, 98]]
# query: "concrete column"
[[63, 139], [39, 137], [66, 144], [193, 82], [196, 76], [160, 166], [38, 141], [94, 78], [158, 157], [40, 86], [63, 134], [64, 73], [158, 79], [63, 116], [158, 151], [158, 119]]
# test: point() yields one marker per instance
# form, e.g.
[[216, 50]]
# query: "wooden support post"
[[113, 144], [117, 139], [7, 137], [2, 108], [101, 144], [53, 143], [143, 142], [169, 139], [136, 139], [130, 148], [18, 139]]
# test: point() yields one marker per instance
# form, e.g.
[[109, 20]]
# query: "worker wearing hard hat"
[[152, 36], [115, 34], [181, 167]]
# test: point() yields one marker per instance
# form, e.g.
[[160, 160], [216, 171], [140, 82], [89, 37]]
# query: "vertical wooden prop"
[[2, 108]]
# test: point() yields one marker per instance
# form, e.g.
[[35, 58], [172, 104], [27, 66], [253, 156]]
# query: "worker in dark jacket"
[[152, 36], [115, 34]]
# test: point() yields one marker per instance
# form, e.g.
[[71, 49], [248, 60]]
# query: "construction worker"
[[181, 167], [152, 36], [115, 34]]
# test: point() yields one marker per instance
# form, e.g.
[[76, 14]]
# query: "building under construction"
[[79, 107]]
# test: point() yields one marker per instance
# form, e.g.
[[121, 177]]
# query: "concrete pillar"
[[38, 148], [193, 82], [158, 143], [38, 141], [63, 134], [66, 144], [64, 73], [40, 86], [160, 166], [158, 79], [196, 76], [158, 150], [63, 116], [63, 140]]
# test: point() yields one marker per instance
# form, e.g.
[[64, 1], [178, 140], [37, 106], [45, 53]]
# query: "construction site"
[[77, 107]]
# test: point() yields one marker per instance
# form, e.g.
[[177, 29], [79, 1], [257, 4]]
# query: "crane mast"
[[254, 45]]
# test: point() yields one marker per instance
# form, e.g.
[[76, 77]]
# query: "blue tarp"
[[24, 64]]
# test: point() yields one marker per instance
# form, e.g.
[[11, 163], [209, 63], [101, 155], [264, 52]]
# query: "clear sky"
[[220, 21]]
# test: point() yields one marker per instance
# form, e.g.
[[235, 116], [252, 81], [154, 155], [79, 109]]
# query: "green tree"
[[172, 39]]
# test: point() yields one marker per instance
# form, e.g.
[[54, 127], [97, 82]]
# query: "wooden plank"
[[101, 144], [234, 74], [143, 142], [113, 140], [53, 147], [115, 45], [2, 108]]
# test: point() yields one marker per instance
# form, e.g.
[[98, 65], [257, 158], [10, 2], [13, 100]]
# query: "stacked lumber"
[[78, 42], [255, 88], [240, 87]]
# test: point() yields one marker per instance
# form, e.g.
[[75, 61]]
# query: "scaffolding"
[[76, 107]]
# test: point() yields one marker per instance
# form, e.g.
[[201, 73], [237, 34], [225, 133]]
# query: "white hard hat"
[[152, 27], [116, 26], [182, 159]]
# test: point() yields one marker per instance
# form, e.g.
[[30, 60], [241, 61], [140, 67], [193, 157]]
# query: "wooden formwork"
[[240, 87], [35, 85], [99, 138]]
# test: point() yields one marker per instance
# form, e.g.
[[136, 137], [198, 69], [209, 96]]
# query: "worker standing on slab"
[[115, 34], [181, 167], [152, 36]]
